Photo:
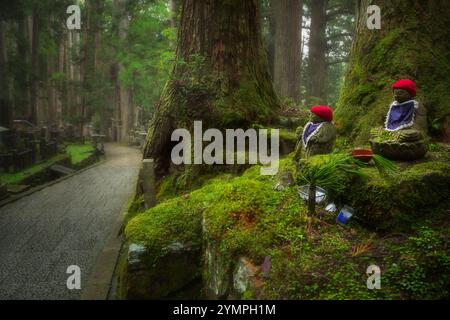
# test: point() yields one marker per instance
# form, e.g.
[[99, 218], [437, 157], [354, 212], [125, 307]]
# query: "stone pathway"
[[65, 224]]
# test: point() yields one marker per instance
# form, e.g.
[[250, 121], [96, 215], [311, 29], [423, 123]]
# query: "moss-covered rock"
[[222, 233], [225, 217], [170, 239], [406, 145], [145, 277], [387, 202]]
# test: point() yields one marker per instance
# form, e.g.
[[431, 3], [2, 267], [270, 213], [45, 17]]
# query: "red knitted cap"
[[324, 112], [407, 85]]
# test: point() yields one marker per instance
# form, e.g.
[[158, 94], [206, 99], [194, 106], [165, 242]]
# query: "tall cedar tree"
[[223, 78]]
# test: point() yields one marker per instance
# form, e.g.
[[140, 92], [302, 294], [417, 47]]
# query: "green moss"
[[288, 135], [21, 176], [388, 202], [422, 270], [193, 177], [135, 206], [312, 258], [223, 202], [425, 168], [332, 263], [79, 152], [175, 220]]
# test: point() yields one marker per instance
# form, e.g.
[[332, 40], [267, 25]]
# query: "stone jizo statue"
[[319, 135], [405, 130]]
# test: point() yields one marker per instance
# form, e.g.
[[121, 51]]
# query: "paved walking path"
[[65, 224]]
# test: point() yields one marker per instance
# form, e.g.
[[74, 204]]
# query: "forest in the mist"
[[111, 72], [222, 230]]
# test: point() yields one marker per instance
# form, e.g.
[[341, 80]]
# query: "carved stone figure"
[[404, 136], [319, 135]]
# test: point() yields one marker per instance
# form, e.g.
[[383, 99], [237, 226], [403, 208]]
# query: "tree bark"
[[412, 43], [34, 89], [224, 81], [22, 77], [318, 52], [287, 58], [60, 84], [5, 103], [271, 39], [124, 112]]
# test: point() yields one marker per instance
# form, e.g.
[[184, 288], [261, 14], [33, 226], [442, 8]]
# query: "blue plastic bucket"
[[344, 215]]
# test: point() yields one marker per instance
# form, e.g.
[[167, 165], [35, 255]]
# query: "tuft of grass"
[[385, 166]]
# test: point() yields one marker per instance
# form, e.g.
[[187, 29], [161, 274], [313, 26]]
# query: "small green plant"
[[329, 174], [436, 125], [384, 166]]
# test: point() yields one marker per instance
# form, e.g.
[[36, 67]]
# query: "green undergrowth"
[[21, 176], [79, 152], [396, 201], [332, 262], [288, 136], [311, 256]]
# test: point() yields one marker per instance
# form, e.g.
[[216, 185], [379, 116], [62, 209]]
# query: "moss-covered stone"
[[209, 230], [225, 215], [170, 239], [387, 202]]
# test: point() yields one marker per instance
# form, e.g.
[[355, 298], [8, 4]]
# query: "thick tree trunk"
[[51, 88], [34, 89], [5, 103], [122, 96], [317, 62], [225, 81], [413, 42], [287, 59], [61, 90], [73, 71], [22, 78], [271, 39]]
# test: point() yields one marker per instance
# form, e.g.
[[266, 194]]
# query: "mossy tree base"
[[221, 76], [236, 219], [412, 43]]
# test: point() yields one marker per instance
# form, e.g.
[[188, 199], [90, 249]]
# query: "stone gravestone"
[[98, 143]]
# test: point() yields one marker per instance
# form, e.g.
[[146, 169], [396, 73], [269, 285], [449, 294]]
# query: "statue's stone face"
[[402, 95], [315, 118]]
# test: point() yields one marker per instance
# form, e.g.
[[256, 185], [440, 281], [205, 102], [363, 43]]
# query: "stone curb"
[[100, 282]]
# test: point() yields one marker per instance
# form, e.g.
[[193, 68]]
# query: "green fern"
[[329, 174], [384, 166]]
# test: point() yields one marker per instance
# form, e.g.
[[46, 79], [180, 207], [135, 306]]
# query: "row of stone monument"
[[25, 144], [403, 137]]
